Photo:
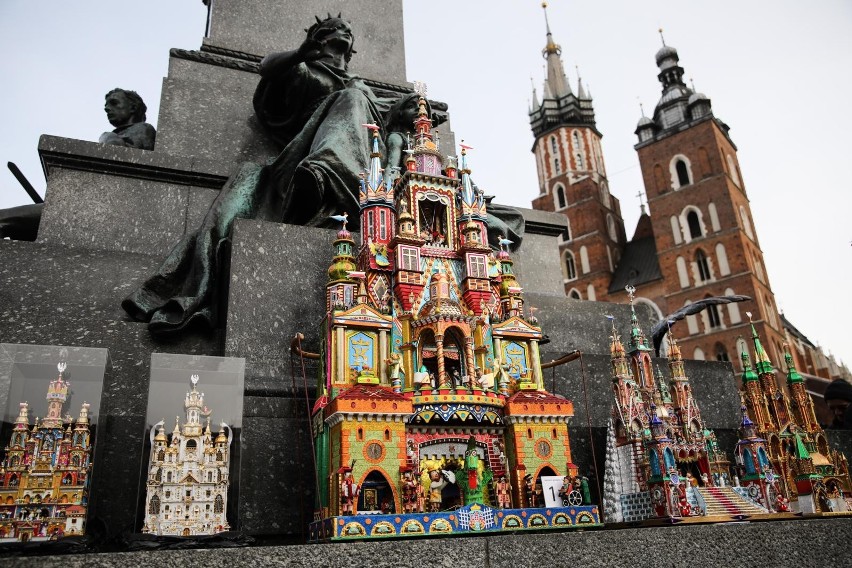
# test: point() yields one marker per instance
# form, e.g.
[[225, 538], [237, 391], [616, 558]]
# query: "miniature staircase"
[[725, 501]]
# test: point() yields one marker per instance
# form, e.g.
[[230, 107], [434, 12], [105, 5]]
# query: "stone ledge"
[[817, 542], [68, 153]]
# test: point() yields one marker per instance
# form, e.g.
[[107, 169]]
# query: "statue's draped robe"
[[315, 112]]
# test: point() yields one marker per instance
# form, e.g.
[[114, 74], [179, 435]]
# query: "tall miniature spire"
[[748, 373], [556, 79], [637, 342], [762, 364], [793, 375]]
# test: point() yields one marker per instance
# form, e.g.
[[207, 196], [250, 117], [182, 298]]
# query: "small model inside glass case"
[[190, 464], [48, 435]]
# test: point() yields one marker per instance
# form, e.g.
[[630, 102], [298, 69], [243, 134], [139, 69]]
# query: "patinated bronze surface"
[[125, 110], [314, 108]]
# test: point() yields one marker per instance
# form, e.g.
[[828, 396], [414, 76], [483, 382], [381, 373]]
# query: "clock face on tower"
[[374, 451], [543, 449]]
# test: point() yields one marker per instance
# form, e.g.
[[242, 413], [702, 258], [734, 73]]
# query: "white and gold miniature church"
[[188, 474]]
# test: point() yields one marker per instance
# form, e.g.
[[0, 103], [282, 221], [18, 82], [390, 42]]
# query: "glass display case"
[[50, 396], [190, 464]]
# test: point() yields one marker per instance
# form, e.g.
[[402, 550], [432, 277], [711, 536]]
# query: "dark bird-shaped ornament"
[[660, 328]]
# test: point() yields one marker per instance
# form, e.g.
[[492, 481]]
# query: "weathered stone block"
[[278, 26], [123, 199]]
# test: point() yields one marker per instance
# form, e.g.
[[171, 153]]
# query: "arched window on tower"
[[218, 504], [713, 316], [579, 151], [703, 266], [680, 169], [561, 202], [722, 353], [732, 170], [694, 225], [574, 294], [554, 153], [746, 222], [154, 506], [611, 228], [570, 266]]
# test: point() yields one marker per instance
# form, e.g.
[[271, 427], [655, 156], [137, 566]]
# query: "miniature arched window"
[[529, 433], [554, 153], [668, 456], [584, 259], [762, 458], [168, 477], [161, 455], [682, 273], [698, 354], [574, 294], [219, 455], [676, 230], [659, 179], [732, 170], [722, 260], [746, 222], [748, 461], [722, 353], [694, 225], [154, 506], [561, 202], [191, 445], [714, 217], [611, 228], [553, 433], [159, 475], [218, 504], [360, 433], [703, 266], [387, 434], [209, 476], [570, 266], [655, 464]]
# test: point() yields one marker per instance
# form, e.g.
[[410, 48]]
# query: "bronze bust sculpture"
[[125, 110]]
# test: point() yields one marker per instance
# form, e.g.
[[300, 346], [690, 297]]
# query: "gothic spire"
[[555, 72]]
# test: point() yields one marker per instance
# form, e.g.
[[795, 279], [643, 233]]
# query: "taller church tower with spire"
[[572, 179], [696, 240]]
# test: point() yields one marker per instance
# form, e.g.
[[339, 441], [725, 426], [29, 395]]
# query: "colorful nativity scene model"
[[188, 473], [432, 417], [45, 471], [663, 462]]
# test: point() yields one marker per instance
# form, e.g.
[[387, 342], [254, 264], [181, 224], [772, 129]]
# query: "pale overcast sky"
[[777, 71]]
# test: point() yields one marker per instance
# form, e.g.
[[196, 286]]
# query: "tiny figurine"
[[349, 491], [504, 493], [438, 480], [394, 369]]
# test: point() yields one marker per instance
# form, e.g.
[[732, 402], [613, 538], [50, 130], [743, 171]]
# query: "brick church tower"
[[701, 220], [572, 180], [697, 239]]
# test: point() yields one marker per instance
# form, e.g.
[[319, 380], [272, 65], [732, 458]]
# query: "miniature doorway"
[[376, 494]]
